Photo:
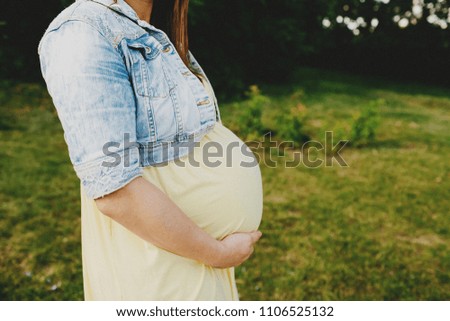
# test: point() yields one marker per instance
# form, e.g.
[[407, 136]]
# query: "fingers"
[[238, 247], [256, 235]]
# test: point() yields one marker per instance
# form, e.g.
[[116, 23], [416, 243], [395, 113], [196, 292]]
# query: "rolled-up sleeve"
[[90, 87]]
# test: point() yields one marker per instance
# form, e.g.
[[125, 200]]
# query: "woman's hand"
[[235, 249]]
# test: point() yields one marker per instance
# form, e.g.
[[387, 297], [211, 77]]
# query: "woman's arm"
[[149, 213]]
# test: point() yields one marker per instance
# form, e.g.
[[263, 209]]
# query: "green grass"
[[376, 230]]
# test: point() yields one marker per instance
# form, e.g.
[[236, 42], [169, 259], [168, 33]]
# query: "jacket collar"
[[120, 6], [125, 9]]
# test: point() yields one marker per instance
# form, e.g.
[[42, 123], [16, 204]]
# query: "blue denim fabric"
[[123, 95]]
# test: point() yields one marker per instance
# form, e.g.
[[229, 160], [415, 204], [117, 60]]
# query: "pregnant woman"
[[161, 218]]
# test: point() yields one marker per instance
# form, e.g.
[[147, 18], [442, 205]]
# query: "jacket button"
[[148, 50], [167, 49]]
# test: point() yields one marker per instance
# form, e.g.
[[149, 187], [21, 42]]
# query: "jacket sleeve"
[[90, 87]]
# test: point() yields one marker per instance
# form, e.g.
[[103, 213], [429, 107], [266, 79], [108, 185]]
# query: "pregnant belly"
[[222, 193]]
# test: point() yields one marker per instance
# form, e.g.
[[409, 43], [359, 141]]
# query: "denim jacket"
[[123, 95]]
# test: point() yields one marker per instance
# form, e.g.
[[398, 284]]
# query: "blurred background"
[[374, 72]]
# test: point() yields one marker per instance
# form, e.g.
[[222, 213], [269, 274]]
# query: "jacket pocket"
[[150, 77], [153, 84]]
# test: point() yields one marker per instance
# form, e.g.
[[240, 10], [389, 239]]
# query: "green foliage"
[[290, 124], [249, 118], [268, 39], [365, 125]]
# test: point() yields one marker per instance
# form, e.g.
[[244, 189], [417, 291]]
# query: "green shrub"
[[249, 117], [290, 124], [364, 127]]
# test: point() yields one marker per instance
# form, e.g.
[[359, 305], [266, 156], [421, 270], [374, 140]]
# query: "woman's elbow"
[[112, 205]]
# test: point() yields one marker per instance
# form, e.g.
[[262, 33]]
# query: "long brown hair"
[[171, 16]]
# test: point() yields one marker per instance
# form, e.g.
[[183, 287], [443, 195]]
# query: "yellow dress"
[[118, 265]]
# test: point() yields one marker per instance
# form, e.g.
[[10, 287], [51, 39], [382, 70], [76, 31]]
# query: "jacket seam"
[[74, 18]]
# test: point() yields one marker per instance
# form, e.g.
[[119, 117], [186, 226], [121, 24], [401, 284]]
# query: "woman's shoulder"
[[81, 10], [94, 18], [98, 19]]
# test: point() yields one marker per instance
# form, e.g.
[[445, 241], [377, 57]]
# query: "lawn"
[[377, 229]]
